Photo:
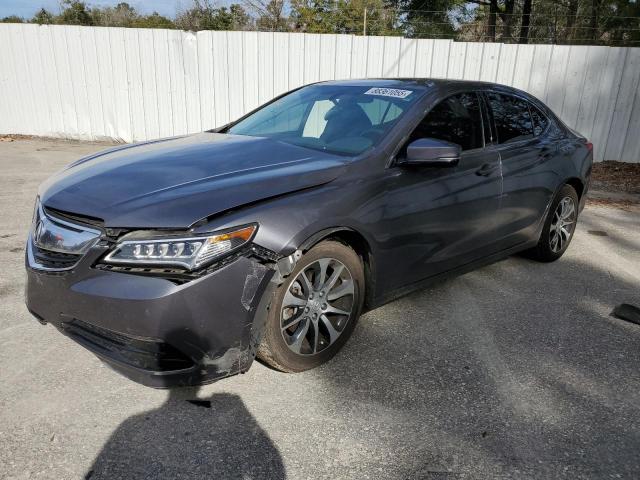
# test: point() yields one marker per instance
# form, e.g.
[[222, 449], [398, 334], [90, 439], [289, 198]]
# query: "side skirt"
[[387, 297]]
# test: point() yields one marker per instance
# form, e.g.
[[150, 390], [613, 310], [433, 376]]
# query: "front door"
[[439, 218]]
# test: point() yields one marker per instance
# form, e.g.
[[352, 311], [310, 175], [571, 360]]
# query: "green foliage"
[[605, 22], [74, 13], [381, 20], [155, 20], [43, 17], [313, 16], [122, 15], [203, 16], [433, 19], [12, 19], [344, 16], [269, 15]]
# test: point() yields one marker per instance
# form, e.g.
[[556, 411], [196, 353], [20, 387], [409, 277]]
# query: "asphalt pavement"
[[516, 370]]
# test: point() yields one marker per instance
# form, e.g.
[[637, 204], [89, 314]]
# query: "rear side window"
[[456, 120], [511, 117], [540, 121]]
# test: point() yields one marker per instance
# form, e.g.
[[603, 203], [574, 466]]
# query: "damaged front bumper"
[[156, 331]]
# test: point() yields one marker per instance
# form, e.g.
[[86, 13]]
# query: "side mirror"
[[430, 152]]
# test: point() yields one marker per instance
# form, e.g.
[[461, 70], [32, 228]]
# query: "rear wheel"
[[315, 310], [559, 226]]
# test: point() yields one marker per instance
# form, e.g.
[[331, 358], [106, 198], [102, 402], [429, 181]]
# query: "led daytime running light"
[[189, 253]]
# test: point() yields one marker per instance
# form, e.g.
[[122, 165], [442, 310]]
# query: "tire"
[[555, 241], [302, 306]]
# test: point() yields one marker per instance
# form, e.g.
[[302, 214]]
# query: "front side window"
[[511, 118], [456, 120], [338, 119]]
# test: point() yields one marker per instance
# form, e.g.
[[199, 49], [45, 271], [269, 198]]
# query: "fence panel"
[[140, 84]]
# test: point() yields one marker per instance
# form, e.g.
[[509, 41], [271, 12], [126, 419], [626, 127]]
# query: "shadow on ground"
[[222, 441], [190, 437]]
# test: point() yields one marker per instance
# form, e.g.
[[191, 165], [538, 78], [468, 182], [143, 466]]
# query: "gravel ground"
[[624, 177], [516, 370]]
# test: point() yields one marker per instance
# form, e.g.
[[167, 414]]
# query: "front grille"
[[145, 354], [74, 217], [56, 243], [50, 259]]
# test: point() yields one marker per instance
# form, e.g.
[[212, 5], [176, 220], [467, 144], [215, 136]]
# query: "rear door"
[[525, 153], [438, 218]]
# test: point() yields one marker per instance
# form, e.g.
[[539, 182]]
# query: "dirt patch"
[[616, 176], [14, 137], [615, 184], [627, 205], [11, 137]]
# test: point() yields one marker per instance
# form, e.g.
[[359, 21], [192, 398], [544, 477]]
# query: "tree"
[[155, 20], [435, 19], [270, 14], [74, 13], [606, 22], [620, 23], [504, 9], [572, 14], [315, 16], [593, 24], [240, 19], [203, 16], [43, 17], [508, 18], [525, 21], [12, 19], [122, 15]]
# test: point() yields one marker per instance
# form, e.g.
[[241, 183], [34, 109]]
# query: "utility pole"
[[364, 26]]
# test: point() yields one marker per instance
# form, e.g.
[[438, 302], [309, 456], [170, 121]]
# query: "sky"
[[27, 8]]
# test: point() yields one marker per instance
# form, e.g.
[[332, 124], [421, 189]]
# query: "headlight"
[[190, 253]]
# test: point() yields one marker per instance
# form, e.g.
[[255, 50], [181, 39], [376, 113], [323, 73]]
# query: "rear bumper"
[[154, 331]]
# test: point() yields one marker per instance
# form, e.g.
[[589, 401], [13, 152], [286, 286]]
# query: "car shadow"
[[190, 437]]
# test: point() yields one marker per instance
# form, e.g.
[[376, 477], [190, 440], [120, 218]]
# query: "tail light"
[[589, 146]]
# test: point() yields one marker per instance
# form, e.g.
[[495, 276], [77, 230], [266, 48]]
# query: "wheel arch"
[[359, 244], [577, 184]]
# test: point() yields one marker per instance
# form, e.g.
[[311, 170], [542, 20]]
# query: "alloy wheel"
[[317, 306], [562, 225]]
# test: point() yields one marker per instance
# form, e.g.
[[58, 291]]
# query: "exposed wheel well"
[[577, 185], [359, 244]]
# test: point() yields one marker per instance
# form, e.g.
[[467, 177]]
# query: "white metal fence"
[[137, 84]]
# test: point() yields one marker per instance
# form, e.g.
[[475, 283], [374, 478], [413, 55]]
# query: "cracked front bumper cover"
[[152, 330]]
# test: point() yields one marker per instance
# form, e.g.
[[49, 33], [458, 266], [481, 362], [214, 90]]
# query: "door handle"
[[486, 169]]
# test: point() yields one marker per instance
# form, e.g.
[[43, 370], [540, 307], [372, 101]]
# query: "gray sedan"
[[178, 261]]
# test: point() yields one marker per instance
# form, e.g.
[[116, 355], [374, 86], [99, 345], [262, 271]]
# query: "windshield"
[[339, 119]]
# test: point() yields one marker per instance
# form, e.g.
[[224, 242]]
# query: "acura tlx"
[[178, 261]]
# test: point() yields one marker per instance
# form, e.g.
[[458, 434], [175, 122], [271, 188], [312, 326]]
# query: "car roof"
[[438, 83]]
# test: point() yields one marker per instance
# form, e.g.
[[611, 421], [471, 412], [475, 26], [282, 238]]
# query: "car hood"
[[175, 182]]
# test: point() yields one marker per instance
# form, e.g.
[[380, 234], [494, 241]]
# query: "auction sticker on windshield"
[[389, 92]]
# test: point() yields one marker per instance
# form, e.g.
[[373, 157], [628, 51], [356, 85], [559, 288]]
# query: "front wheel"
[[313, 313], [559, 226]]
